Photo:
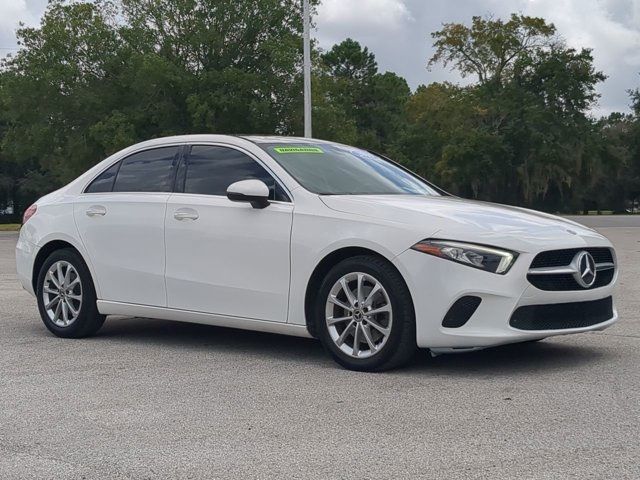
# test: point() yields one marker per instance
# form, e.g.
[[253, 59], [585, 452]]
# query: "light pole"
[[307, 68]]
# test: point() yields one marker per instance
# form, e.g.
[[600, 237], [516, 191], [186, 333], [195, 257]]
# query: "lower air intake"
[[559, 316], [461, 311]]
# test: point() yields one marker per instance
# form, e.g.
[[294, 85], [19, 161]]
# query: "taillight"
[[28, 213]]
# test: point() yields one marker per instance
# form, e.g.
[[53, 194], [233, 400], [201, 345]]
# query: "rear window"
[[148, 171], [104, 181]]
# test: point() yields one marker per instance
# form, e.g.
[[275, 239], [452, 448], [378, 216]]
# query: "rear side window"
[[211, 169], [148, 171], [104, 181]]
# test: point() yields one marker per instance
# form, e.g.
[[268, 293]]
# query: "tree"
[[451, 138], [238, 63], [521, 134], [632, 140], [96, 76], [350, 61], [490, 48], [48, 94], [373, 102]]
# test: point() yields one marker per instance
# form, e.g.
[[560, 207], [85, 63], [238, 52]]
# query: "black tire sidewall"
[[403, 327], [89, 318]]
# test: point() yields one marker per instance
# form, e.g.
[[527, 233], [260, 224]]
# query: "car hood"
[[468, 220]]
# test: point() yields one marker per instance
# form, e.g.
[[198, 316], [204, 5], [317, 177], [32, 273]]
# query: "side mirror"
[[254, 192]]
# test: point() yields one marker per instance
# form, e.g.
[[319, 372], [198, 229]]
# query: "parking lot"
[[158, 399]]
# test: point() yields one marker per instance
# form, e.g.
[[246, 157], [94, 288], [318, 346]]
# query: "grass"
[[602, 212], [9, 227]]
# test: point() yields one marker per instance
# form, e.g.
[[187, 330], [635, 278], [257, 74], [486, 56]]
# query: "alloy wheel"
[[359, 315], [62, 293]]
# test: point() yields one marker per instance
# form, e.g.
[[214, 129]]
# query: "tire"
[[390, 350], [78, 296]]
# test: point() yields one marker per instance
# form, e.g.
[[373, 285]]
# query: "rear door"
[[226, 257], [120, 218]]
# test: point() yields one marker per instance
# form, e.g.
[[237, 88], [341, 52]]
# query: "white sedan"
[[309, 238]]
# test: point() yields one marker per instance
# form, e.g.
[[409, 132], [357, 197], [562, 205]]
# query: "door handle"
[[185, 214], [96, 211]]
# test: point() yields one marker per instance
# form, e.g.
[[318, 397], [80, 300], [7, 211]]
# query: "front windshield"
[[333, 169]]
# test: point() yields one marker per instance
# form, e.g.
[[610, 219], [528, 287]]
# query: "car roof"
[[281, 139], [257, 139]]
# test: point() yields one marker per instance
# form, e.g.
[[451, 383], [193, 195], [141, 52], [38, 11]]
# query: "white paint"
[[234, 263]]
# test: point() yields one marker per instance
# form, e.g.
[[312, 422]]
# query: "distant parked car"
[[309, 238], [634, 207], [7, 210]]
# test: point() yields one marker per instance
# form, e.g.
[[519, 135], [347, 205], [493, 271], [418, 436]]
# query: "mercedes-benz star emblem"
[[585, 269]]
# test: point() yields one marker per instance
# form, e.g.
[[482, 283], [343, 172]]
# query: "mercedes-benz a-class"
[[310, 238]]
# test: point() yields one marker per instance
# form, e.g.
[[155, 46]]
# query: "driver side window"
[[210, 169]]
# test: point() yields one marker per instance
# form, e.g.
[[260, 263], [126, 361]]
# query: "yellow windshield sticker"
[[297, 150]]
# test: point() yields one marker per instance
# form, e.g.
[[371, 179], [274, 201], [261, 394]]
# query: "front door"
[[225, 257]]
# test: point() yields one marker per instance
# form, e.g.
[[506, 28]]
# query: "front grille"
[[565, 281], [461, 311], [559, 316], [559, 258]]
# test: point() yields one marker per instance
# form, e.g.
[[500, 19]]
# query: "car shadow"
[[547, 355], [195, 336]]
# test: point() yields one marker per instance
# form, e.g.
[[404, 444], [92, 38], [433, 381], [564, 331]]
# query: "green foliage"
[[48, 95], [348, 60], [522, 133], [490, 48], [96, 76], [375, 102]]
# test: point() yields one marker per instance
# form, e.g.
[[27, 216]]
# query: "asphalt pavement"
[[157, 399]]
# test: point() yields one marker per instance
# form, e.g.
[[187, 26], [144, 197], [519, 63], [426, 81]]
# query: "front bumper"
[[435, 285]]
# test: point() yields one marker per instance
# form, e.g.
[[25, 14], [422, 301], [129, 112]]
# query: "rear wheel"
[[67, 297], [364, 315]]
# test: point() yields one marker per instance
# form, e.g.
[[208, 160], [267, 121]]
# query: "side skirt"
[[161, 313]]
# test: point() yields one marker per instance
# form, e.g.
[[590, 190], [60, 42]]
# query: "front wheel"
[[364, 315], [67, 297]]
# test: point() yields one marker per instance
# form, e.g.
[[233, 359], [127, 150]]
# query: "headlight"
[[478, 256]]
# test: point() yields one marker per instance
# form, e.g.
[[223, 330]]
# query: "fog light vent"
[[461, 311]]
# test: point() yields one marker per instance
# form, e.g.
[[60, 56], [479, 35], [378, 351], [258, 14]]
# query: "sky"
[[398, 33]]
